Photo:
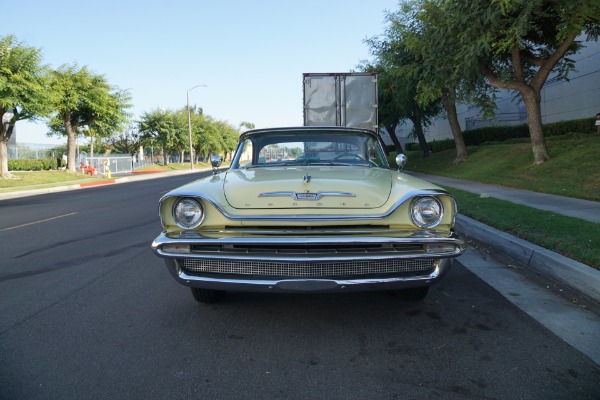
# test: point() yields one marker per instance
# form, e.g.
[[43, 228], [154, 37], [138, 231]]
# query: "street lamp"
[[190, 125]]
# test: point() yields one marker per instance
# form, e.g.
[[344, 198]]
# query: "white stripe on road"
[[37, 222]]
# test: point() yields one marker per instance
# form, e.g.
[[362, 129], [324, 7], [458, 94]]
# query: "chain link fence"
[[23, 151], [117, 163]]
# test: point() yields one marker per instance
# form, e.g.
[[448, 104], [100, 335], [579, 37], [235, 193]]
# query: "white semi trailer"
[[341, 99]]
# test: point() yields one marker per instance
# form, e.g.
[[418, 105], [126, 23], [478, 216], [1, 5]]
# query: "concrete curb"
[[97, 183], [571, 273]]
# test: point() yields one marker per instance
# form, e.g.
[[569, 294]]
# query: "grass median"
[[571, 237], [573, 171], [28, 180]]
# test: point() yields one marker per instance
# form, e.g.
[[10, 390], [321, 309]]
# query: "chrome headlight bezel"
[[426, 212], [188, 213]]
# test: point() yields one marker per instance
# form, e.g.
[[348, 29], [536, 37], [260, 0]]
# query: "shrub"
[[39, 164], [585, 125], [514, 134]]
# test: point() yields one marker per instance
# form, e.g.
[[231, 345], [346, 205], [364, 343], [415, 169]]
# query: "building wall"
[[564, 100]]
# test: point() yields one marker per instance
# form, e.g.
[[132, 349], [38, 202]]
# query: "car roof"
[[307, 129]]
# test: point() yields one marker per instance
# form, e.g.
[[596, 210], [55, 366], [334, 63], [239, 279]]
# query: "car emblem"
[[306, 195]]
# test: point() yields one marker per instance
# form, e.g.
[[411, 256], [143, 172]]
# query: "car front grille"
[[311, 269]]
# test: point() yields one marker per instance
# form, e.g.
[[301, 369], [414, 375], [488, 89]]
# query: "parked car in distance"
[[309, 210]]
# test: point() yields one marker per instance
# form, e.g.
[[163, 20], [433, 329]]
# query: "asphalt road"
[[88, 312]]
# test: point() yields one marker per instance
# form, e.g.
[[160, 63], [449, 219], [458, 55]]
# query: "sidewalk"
[[580, 277], [582, 209]]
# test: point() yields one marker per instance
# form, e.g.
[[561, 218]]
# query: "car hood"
[[307, 187]]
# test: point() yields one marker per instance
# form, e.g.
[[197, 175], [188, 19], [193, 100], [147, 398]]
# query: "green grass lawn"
[[43, 179], [573, 171], [571, 237]]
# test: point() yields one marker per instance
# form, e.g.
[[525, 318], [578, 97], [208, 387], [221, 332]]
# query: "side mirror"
[[215, 161], [401, 160]]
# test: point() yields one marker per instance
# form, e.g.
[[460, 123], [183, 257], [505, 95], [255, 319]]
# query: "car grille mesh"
[[314, 269]]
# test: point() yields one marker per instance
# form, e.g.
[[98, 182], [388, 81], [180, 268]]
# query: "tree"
[[160, 127], [400, 70], [201, 132], [83, 98], [228, 136], [390, 115], [23, 90], [127, 141], [205, 135], [439, 79], [246, 125], [516, 45], [180, 138]]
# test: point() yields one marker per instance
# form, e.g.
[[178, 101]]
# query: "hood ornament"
[[307, 178]]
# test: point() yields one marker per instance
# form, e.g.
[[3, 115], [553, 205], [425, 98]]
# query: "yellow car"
[[311, 210]]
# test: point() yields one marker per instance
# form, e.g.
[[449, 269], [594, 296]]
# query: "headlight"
[[188, 213], [426, 212]]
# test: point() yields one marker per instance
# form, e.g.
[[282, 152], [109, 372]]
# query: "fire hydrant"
[[88, 169], [107, 169]]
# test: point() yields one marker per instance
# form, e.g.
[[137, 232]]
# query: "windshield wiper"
[[273, 164], [338, 164]]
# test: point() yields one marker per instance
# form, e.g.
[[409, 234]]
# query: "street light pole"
[[190, 125]]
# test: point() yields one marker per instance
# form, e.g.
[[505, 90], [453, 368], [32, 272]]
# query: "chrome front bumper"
[[302, 253]]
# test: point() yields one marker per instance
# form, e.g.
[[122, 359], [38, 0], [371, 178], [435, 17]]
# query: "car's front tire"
[[208, 295], [412, 294]]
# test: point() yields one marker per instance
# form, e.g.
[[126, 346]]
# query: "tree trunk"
[[71, 145], [418, 127], [182, 156], [449, 102], [531, 98], [391, 130], [4, 174], [165, 156], [92, 149], [5, 134]]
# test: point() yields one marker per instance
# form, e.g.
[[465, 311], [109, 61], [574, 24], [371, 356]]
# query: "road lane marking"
[[37, 222]]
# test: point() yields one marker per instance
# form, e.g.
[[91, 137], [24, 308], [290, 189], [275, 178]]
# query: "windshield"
[[309, 148]]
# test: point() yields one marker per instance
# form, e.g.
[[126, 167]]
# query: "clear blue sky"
[[250, 54]]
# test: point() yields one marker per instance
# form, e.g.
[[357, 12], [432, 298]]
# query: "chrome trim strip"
[[308, 218], [197, 237], [306, 195], [192, 239]]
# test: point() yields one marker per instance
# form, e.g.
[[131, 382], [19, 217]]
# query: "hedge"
[[38, 164], [499, 134]]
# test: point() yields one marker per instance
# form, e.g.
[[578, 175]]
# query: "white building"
[[561, 100]]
